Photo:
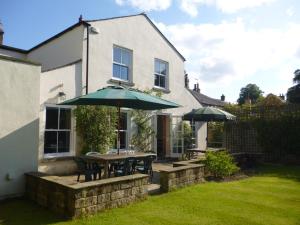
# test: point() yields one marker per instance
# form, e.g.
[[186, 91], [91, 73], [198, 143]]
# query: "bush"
[[220, 164]]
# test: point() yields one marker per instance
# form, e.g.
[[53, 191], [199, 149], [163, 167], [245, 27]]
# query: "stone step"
[[153, 189]]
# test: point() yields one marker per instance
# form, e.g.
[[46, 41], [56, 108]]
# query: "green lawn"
[[271, 197]]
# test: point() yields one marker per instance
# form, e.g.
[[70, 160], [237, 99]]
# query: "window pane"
[[163, 68], [124, 73], [117, 55], [156, 80], [65, 119], [116, 71], [157, 67], [63, 141], [126, 57], [123, 122], [162, 81], [51, 118], [50, 142]]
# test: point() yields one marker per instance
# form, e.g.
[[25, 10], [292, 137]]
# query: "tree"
[[96, 126], [293, 93], [250, 92], [296, 78]]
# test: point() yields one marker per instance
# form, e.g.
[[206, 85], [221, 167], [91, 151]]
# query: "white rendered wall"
[[137, 34], [19, 122], [60, 51], [67, 80]]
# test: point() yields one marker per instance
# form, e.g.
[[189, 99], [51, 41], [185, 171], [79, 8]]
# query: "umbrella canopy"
[[122, 97], [208, 114]]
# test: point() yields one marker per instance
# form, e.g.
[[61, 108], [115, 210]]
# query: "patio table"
[[106, 159]]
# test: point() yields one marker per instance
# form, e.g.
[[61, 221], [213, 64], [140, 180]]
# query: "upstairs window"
[[122, 59], [160, 73]]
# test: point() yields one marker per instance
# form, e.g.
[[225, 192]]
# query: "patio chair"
[[84, 169], [96, 167], [146, 168], [127, 168]]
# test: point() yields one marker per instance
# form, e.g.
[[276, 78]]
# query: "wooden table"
[[106, 159]]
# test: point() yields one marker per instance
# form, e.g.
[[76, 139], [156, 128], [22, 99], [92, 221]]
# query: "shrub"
[[220, 164]]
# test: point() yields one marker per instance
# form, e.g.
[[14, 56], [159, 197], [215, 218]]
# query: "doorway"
[[163, 136]]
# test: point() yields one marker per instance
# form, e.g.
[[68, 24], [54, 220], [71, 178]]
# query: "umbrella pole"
[[118, 134]]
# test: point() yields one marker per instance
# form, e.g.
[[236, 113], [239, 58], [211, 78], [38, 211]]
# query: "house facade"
[[90, 55]]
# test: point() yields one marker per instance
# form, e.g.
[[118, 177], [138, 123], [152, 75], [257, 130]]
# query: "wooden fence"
[[244, 136]]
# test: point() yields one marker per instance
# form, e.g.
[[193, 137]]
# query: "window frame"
[[127, 131], [129, 67], [58, 154], [166, 76]]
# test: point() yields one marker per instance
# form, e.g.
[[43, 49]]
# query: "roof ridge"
[[114, 17]]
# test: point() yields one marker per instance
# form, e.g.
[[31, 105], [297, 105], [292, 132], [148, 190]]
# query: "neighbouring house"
[[205, 100], [85, 57]]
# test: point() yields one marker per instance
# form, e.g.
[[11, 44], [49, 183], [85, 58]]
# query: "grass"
[[270, 197]]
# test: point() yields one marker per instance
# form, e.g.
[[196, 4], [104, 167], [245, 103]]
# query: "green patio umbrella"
[[208, 114], [122, 97]]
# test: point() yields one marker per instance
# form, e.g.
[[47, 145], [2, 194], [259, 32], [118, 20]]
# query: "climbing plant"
[[96, 126], [142, 138]]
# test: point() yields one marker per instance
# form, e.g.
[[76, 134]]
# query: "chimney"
[[223, 97], [282, 97], [198, 89], [186, 80], [1, 33]]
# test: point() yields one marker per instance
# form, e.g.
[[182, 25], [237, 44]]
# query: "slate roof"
[[206, 100]]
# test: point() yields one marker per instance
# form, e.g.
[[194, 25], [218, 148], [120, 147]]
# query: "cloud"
[[221, 54], [146, 5], [290, 11], [226, 6]]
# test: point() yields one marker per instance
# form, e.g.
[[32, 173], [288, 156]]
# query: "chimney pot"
[[186, 80], [80, 18], [1, 33], [223, 97]]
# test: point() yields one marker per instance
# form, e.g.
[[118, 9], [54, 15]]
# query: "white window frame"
[[176, 122], [166, 76], [127, 134], [71, 151], [121, 64]]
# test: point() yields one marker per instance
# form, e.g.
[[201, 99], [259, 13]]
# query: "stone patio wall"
[[79, 199], [181, 175]]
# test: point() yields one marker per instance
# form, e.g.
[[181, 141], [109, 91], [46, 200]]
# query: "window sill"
[[164, 90], [122, 82], [56, 158]]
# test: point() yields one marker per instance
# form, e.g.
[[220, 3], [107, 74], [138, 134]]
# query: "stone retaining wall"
[[78, 199], [182, 174]]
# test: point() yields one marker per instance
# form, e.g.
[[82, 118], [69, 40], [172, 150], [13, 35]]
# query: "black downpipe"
[[87, 60]]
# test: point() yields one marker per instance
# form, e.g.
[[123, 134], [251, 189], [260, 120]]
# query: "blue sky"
[[227, 43]]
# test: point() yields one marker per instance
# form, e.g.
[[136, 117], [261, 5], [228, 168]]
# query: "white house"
[[93, 54]]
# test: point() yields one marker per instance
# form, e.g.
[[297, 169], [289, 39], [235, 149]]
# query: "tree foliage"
[[251, 92], [96, 126], [293, 93]]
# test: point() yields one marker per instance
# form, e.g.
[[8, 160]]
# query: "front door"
[[162, 138]]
